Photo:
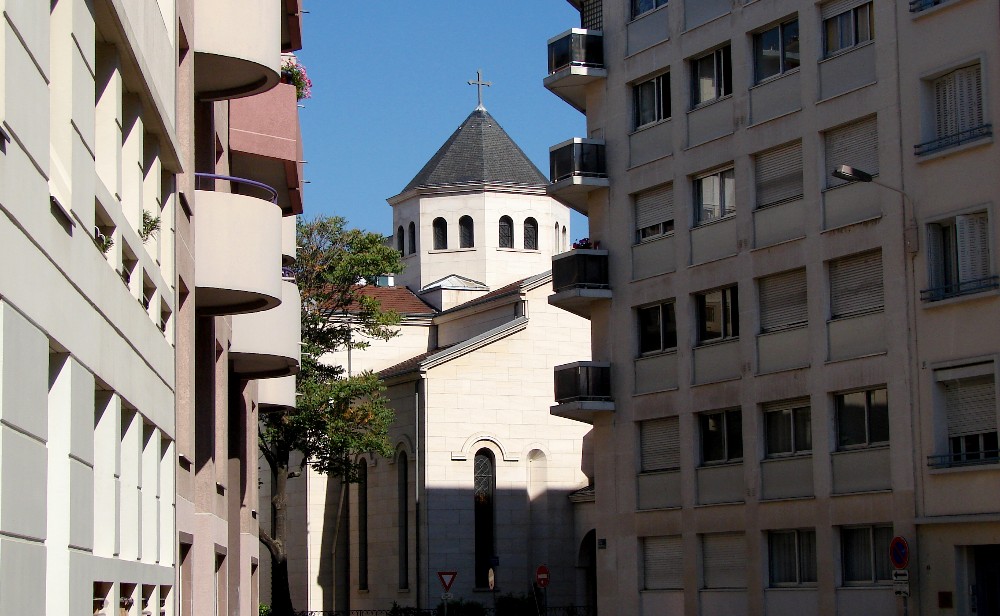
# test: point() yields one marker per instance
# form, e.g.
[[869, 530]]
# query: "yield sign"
[[447, 579]]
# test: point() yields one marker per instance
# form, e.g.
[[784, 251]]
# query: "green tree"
[[338, 415]]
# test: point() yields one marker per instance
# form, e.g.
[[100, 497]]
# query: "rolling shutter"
[[855, 145], [659, 444], [856, 284], [836, 7], [662, 562], [654, 206], [973, 235], [971, 406], [724, 557], [779, 174], [783, 300]]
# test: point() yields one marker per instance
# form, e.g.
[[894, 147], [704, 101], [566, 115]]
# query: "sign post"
[[447, 579], [542, 580], [899, 556]]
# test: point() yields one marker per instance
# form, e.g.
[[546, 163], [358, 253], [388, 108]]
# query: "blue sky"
[[390, 86]]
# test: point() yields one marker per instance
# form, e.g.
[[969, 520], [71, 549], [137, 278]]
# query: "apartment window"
[[776, 50], [466, 232], [711, 76], [724, 560], [662, 562], [721, 436], [657, 328], [506, 232], [862, 418], [715, 195], [659, 444], [856, 285], [783, 302], [854, 144], [778, 175], [792, 557], [959, 260], [865, 554], [970, 406], [845, 26], [958, 110], [412, 247], [440, 226], [530, 234], [651, 99], [644, 6], [787, 428], [654, 213], [718, 314]]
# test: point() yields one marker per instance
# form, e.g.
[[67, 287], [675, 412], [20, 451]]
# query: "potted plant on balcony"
[[294, 73]]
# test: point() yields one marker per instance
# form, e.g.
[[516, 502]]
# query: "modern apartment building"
[[801, 356], [142, 298]]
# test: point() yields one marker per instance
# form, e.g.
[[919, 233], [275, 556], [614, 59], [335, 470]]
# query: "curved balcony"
[[238, 247], [237, 45], [266, 344], [276, 394], [288, 241], [582, 389], [580, 278], [576, 59], [577, 168]]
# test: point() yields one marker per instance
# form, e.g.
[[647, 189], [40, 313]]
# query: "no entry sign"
[[899, 553], [542, 576]]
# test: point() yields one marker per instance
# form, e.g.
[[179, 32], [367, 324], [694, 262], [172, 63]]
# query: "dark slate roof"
[[478, 152]]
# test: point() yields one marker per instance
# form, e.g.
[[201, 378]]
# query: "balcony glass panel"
[[580, 270], [583, 382], [577, 159], [576, 48]]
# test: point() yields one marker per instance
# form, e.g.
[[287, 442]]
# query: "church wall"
[[413, 339], [468, 326]]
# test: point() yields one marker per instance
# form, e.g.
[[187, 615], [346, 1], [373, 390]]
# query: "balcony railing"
[[583, 382], [951, 460], [580, 158], [580, 269], [965, 287], [922, 5], [240, 186], [576, 48], [950, 141]]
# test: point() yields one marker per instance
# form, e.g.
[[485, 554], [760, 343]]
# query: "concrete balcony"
[[291, 25], [276, 394], [237, 45], [576, 60], [238, 246], [582, 390], [580, 278], [265, 345], [577, 168], [265, 140]]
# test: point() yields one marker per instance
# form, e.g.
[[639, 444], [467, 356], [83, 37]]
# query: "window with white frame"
[[721, 436], [662, 562], [714, 195], [958, 110], [657, 328], [854, 144], [776, 50], [651, 100], [718, 314], [724, 560], [783, 300], [959, 259], [659, 445], [787, 428], [654, 213], [644, 6], [846, 23], [856, 285], [778, 174], [711, 76], [864, 553], [969, 399], [862, 418], [791, 557]]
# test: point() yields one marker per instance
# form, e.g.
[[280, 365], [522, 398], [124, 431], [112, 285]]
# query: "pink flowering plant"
[[582, 243], [294, 73]]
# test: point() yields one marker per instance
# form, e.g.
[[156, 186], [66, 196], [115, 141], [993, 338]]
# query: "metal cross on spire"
[[479, 83]]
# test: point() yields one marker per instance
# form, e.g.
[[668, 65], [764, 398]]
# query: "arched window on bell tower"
[[399, 239], [484, 489], [506, 232], [413, 239], [530, 234], [440, 234], [466, 232]]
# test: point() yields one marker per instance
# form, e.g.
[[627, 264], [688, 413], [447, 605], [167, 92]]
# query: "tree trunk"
[[281, 596]]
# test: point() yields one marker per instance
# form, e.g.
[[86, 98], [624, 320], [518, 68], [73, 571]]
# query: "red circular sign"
[[542, 576], [899, 553]]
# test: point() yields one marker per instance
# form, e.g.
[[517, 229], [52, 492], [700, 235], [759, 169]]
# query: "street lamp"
[[852, 174], [846, 172]]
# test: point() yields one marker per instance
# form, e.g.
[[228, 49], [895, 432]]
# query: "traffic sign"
[[447, 579], [447, 596], [901, 583], [492, 578], [542, 576], [899, 552]]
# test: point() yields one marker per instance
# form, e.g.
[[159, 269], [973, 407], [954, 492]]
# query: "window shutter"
[[855, 145], [968, 97], [971, 406], [945, 106], [659, 444], [836, 7], [973, 234], [783, 300], [779, 174], [654, 206], [935, 256], [662, 562], [725, 560], [856, 284], [591, 17]]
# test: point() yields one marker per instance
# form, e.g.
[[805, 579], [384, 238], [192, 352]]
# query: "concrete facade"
[[796, 301]]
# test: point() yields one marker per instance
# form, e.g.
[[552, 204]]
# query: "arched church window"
[[466, 237], [506, 232], [530, 234], [413, 238], [440, 234], [484, 487], [362, 525], [556, 244], [565, 240], [399, 239], [403, 522]]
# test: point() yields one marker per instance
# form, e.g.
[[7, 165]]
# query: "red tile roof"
[[398, 299]]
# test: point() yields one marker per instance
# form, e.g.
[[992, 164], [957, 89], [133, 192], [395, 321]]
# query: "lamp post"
[[852, 174]]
